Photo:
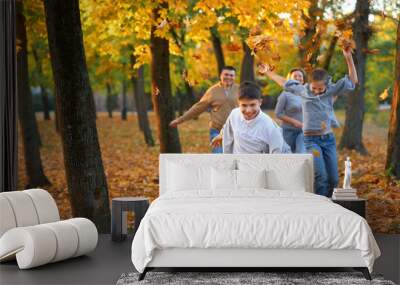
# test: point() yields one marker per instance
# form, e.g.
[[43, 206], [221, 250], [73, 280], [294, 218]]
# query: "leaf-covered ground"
[[132, 167]]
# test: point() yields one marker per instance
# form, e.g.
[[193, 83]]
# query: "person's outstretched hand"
[[175, 123], [347, 52], [217, 141], [264, 68]]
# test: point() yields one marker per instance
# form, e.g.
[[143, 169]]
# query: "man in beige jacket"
[[222, 98]]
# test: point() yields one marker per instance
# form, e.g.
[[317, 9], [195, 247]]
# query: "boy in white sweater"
[[248, 129]]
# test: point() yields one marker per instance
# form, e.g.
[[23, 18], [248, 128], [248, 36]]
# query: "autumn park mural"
[[100, 82]]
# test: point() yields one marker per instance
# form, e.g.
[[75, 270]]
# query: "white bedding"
[[251, 218]]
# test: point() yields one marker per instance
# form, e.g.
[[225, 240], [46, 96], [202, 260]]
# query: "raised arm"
[[265, 69], [350, 65], [346, 84]]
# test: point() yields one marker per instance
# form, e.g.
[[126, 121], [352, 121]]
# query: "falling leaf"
[[264, 48], [320, 58], [255, 31], [197, 56], [278, 23], [162, 24], [205, 75], [234, 47], [275, 56], [371, 51], [260, 42], [383, 96], [175, 25], [346, 41], [185, 74], [342, 24], [156, 91], [316, 153]]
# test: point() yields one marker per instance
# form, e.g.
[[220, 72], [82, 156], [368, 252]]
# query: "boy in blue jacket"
[[317, 104]]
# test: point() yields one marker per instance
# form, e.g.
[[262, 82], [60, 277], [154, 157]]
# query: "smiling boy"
[[248, 129]]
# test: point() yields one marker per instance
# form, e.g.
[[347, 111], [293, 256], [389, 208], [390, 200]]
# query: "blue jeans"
[[213, 134], [295, 139], [323, 148]]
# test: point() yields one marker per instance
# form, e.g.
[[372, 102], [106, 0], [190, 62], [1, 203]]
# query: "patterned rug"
[[242, 278]]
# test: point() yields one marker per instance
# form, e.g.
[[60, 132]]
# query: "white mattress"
[[256, 218]]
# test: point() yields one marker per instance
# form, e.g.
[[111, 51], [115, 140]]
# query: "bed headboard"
[[288, 162]]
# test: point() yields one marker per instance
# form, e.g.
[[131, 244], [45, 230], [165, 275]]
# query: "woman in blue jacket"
[[288, 109]]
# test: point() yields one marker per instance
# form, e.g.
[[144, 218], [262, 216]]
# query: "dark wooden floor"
[[103, 266], [111, 259]]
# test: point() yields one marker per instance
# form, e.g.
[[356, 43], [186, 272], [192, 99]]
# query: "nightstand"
[[119, 208], [356, 205]]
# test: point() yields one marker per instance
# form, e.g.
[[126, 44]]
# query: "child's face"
[[318, 87], [249, 108]]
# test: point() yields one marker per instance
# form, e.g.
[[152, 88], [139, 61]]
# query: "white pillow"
[[223, 179], [230, 180], [251, 178], [278, 180], [188, 174], [282, 174], [188, 177]]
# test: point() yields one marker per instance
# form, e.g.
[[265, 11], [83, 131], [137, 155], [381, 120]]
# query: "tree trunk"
[[186, 97], [247, 69], [393, 150], [355, 108], [216, 41], [180, 101], [45, 102], [109, 100], [190, 97], [27, 120], [86, 180], [161, 89], [8, 99], [124, 110], [184, 102], [311, 40], [43, 92], [141, 104], [56, 113], [330, 52]]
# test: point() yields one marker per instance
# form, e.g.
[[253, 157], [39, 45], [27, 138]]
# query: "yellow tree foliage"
[[109, 26], [113, 30]]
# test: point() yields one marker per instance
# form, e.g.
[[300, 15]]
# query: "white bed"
[[203, 220]]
